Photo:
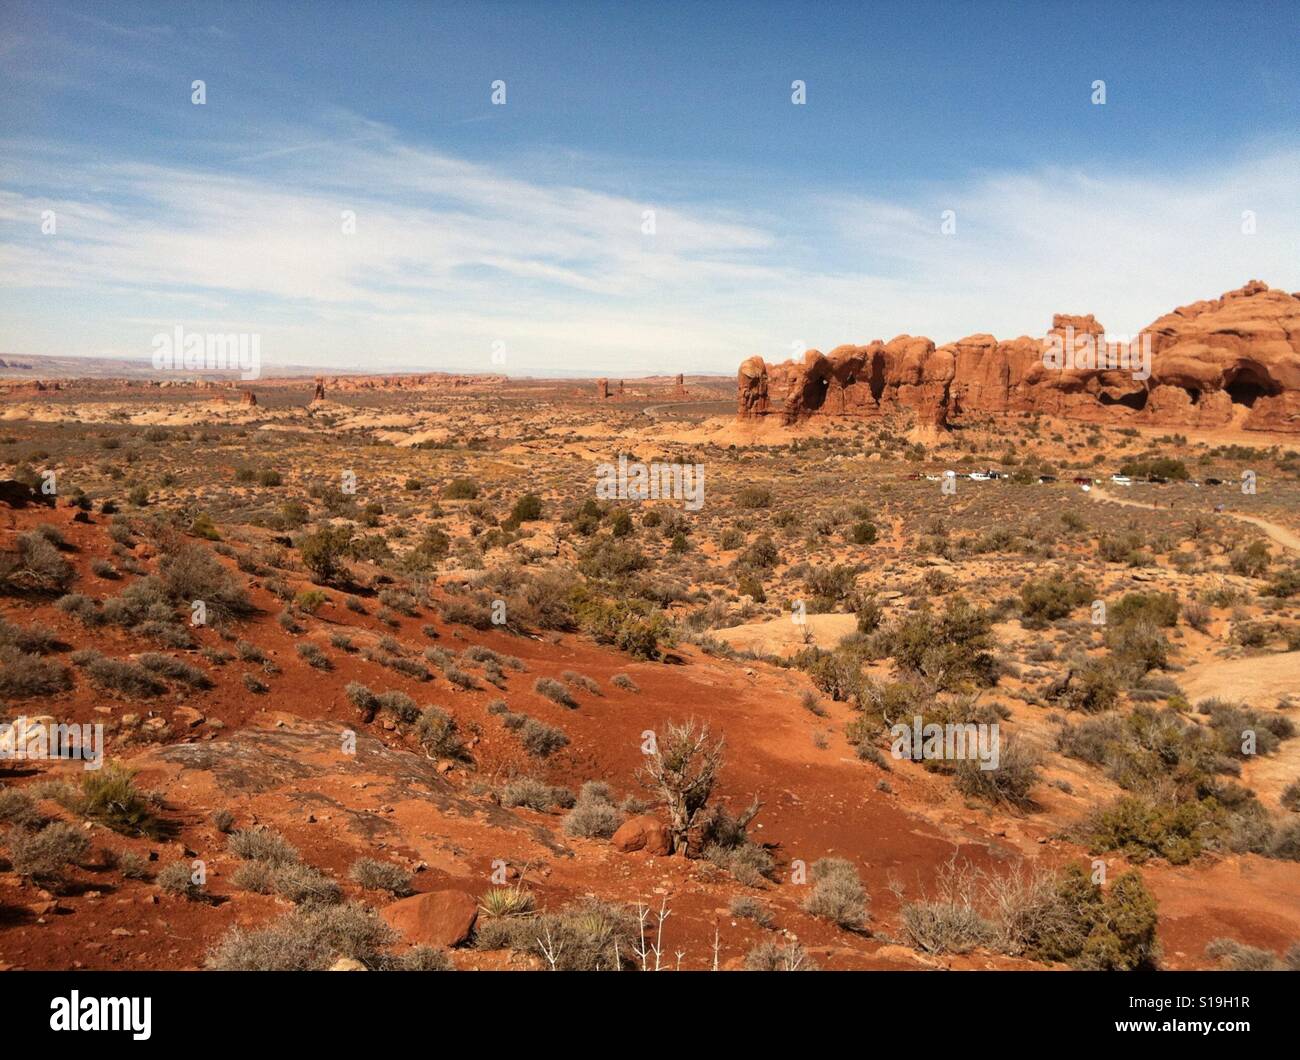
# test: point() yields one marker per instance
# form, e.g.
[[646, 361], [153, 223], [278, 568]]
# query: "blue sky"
[[484, 228]]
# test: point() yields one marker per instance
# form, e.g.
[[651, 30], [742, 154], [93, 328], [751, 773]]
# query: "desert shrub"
[[304, 885], [630, 625], [255, 876], [1048, 599], [836, 674], [1012, 780], [398, 704], [950, 648], [177, 879], [190, 572], [461, 489], [309, 601], [132, 865], [35, 638], [555, 691], [528, 508], [747, 908], [23, 675], [1138, 646], [176, 669], [323, 551], [777, 957], [534, 794], [45, 855], [1232, 724], [35, 566], [1092, 687], [837, 894], [1284, 843], [1290, 798], [439, 736], [863, 532], [18, 808], [1251, 561], [1159, 608], [588, 935], [582, 681], [594, 815], [262, 844], [308, 939], [1238, 957], [624, 682], [377, 875], [1118, 927], [118, 675], [203, 526], [255, 684], [313, 656], [541, 740], [1140, 827], [109, 796]]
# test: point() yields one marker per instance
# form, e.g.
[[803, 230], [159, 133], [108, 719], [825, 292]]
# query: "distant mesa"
[[1230, 361]]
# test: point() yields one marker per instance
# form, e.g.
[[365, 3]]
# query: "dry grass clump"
[[837, 894]]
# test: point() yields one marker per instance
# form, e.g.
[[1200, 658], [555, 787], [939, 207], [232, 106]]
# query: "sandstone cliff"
[[1233, 360]]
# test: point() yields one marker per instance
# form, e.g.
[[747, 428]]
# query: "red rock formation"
[[247, 397], [602, 389], [319, 394], [1233, 360]]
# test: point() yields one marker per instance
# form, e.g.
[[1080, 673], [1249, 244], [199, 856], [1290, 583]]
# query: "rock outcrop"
[[1230, 361]]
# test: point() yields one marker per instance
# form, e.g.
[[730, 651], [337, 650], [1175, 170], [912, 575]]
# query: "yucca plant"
[[506, 902]]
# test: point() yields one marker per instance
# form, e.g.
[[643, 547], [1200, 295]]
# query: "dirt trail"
[[1278, 534]]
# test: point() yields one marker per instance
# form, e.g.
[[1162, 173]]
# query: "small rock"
[[644, 832]]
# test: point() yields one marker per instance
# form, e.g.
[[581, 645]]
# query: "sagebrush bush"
[[776, 957], [177, 879], [541, 740], [23, 675], [439, 736], [837, 894], [534, 794], [377, 875], [262, 844], [307, 939], [45, 855], [553, 690], [594, 815]]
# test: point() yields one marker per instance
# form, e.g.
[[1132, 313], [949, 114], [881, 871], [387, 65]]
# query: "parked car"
[[1121, 480]]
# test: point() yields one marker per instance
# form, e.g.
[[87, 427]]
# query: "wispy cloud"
[[451, 256]]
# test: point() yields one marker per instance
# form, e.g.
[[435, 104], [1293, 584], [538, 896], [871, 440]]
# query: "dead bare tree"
[[683, 770]]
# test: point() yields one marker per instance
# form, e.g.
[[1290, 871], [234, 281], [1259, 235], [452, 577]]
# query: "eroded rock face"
[[1234, 360]]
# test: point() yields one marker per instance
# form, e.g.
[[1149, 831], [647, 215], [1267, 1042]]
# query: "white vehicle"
[[978, 476], [1121, 480]]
